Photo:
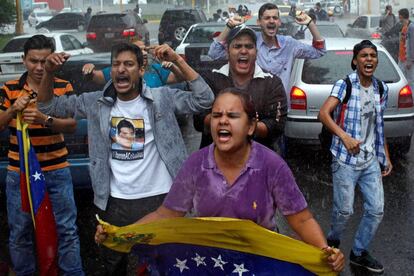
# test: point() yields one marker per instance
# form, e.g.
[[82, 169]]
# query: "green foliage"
[[7, 12], [4, 39]]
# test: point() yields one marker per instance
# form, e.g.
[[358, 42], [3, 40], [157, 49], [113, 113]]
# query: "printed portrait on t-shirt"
[[128, 138]]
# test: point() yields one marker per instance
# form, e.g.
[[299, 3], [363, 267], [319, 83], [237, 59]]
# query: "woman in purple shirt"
[[239, 178]]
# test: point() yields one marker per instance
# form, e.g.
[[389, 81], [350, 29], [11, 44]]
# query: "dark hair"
[[219, 11], [127, 47], [245, 98], [404, 13], [38, 42], [388, 7], [265, 7], [225, 14], [358, 47], [124, 123], [318, 5]]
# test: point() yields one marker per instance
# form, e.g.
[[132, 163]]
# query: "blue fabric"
[[345, 178], [352, 119], [151, 77], [21, 246]]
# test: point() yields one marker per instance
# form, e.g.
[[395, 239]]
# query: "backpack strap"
[[348, 90], [380, 87]]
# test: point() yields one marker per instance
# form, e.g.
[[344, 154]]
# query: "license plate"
[[110, 35], [12, 68]]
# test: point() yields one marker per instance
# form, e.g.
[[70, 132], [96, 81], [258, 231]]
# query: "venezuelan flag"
[[35, 200], [214, 246]]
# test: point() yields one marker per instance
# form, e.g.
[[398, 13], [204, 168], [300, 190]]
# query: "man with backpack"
[[359, 151]]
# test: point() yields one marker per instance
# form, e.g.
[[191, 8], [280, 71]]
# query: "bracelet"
[[228, 26], [307, 25]]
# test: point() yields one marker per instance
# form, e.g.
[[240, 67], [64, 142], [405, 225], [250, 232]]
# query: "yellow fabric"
[[234, 234]]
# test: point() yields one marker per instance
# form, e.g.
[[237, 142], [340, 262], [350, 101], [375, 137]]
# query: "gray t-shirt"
[[367, 148]]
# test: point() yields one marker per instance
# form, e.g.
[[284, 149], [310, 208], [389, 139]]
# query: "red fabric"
[[23, 193]]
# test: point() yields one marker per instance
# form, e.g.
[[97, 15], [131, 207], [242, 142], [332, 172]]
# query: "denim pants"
[[21, 244], [369, 180]]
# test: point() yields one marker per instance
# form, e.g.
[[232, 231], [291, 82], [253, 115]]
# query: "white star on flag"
[[37, 176], [239, 269], [199, 260], [219, 262], [181, 265]]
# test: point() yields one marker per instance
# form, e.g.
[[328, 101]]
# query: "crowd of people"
[[139, 168]]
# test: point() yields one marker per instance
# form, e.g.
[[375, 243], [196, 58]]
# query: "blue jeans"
[[21, 246], [345, 178]]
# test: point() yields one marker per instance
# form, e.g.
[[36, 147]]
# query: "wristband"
[[307, 25], [228, 26]]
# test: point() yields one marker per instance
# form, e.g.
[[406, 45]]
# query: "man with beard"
[[129, 183], [243, 73], [275, 53], [358, 150]]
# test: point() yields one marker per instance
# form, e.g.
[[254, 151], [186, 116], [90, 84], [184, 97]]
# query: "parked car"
[[64, 21], [37, 16], [175, 23], [107, 29], [312, 81], [11, 64], [333, 8], [365, 27], [326, 29]]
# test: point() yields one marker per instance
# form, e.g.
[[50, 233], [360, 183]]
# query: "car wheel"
[[179, 33], [81, 28]]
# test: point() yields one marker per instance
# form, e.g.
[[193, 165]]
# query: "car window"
[[75, 42], [375, 22], [66, 43], [14, 45], [203, 34], [109, 20], [361, 22], [335, 65]]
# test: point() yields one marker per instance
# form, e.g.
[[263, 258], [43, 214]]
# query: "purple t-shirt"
[[266, 183]]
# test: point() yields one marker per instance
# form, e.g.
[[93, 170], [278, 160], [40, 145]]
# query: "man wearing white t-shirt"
[[135, 144]]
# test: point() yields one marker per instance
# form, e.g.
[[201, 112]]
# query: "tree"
[[7, 13]]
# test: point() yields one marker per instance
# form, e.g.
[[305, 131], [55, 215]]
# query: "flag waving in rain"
[[214, 246], [35, 200]]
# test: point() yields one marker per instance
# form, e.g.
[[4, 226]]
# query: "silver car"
[[365, 26], [311, 83]]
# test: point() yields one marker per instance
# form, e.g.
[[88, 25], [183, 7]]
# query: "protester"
[[388, 20], [127, 180], [275, 53], [358, 149], [292, 11], [320, 13], [47, 140], [406, 52], [265, 89], [238, 178], [156, 74]]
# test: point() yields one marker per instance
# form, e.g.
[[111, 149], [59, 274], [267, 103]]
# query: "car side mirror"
[[145, 21]]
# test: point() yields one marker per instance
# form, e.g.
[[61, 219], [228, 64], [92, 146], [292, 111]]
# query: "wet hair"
[[388, 7], [124, 123], [127, 47], [265, 7], [358, 47], [225, 14], [404, 13], [89, 9], [318, 5], [38, 42], [245, 99], [219, 11]]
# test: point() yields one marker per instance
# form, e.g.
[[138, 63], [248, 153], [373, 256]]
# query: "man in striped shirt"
[[46, 137]]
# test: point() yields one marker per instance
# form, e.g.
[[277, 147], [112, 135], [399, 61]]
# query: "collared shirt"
[[264, 184], [275, 60], [352, 121], [49, 146]]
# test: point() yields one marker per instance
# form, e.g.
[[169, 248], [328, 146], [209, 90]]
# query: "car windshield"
[[16, 45], [203, 34], [337, 64]]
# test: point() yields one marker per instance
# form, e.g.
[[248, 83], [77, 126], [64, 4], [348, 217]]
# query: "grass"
[[4, 38]]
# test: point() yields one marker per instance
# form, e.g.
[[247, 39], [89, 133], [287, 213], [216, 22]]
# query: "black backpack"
[[325, 137]]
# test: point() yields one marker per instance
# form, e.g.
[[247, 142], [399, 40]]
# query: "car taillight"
[[376, 36], [297, 98], [90, 35], [183, 56], [405, 97], [128, 32]]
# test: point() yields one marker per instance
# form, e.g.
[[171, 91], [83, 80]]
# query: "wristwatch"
[[48, 121]]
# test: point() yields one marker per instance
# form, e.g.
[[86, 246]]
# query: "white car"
[[39, 15], [11, 64]]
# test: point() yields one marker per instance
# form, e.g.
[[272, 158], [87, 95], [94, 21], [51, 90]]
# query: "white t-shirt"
[[137, 168]]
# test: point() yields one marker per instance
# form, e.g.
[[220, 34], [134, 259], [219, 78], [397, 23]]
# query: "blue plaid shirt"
[[352, 119]]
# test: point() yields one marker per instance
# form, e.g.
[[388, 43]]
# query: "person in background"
[[88, 16], [388, 20], [138, 10], [236, 177], [292, 11], [359, 152], [406, 51], [46, 137], [320, 13]]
